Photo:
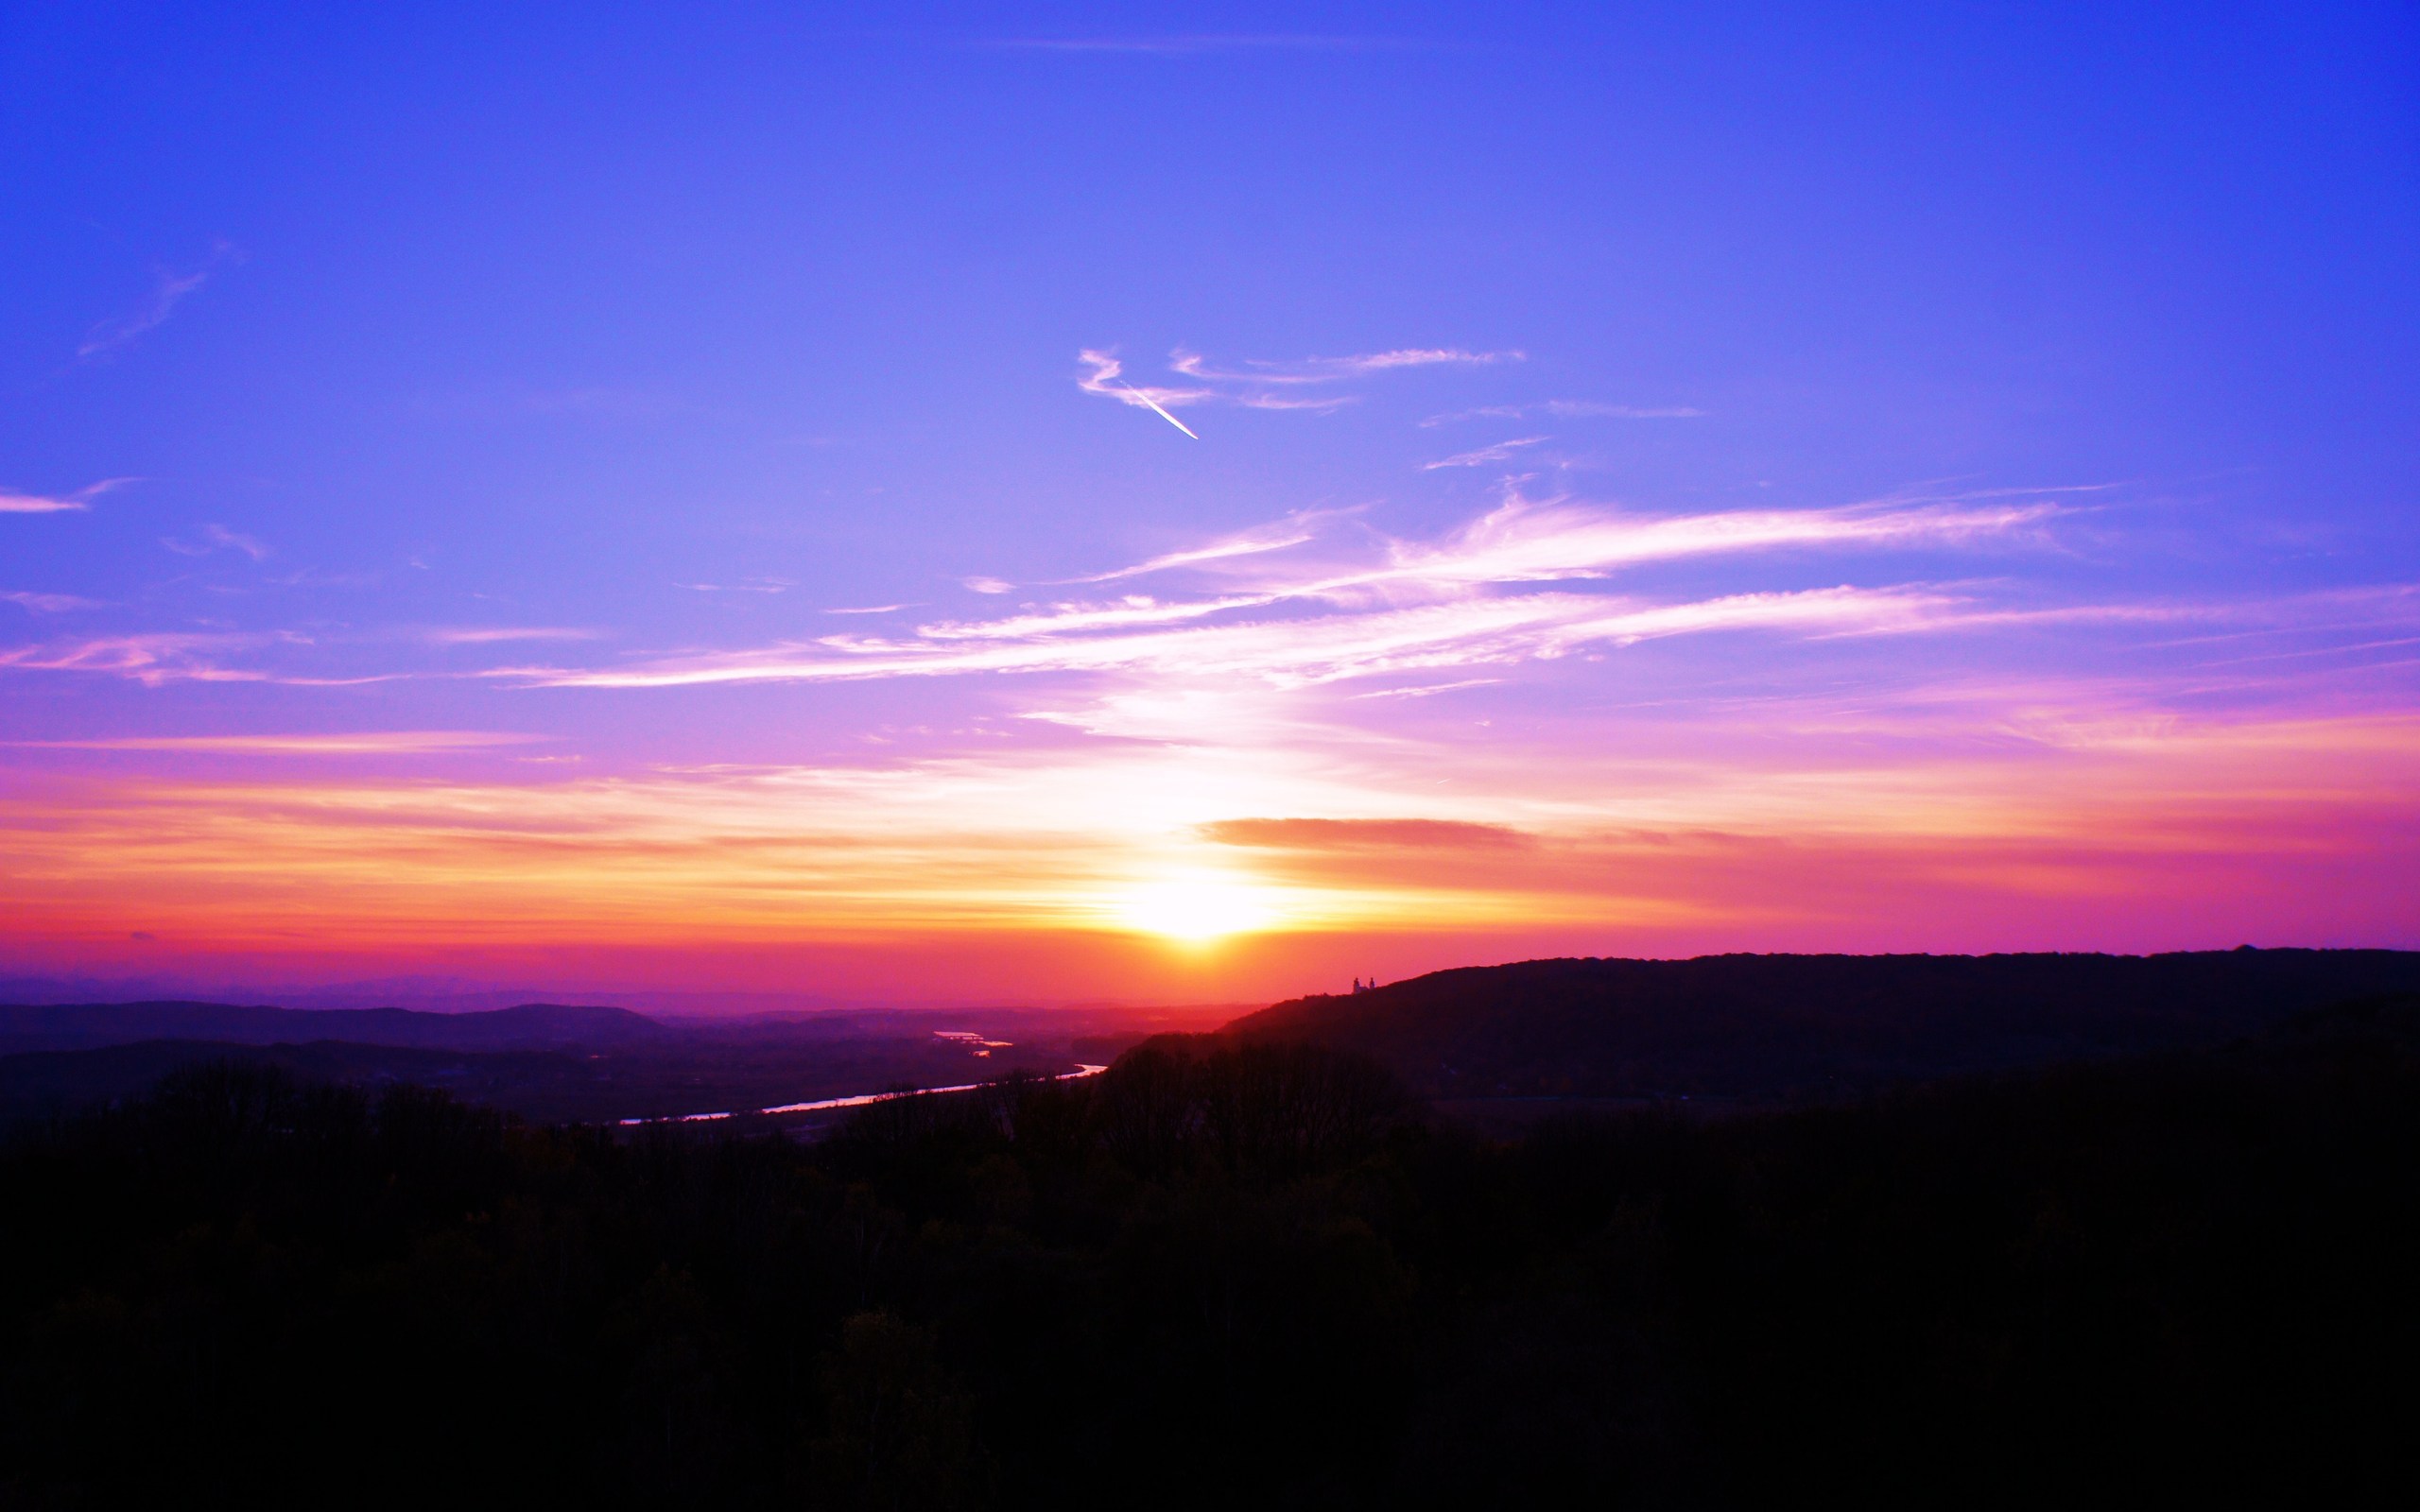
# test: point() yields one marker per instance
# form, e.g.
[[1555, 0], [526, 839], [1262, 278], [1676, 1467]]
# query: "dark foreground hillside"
[[1777, 1029], [1228, 1274]]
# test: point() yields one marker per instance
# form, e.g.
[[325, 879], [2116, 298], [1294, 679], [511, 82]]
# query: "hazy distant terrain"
[[553, 1063], [529, 1027]]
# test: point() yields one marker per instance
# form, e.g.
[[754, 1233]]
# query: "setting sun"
[[1195, 907]]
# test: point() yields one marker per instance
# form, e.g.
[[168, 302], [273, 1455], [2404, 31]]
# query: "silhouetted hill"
[[1792, 1027], [529, 1026]]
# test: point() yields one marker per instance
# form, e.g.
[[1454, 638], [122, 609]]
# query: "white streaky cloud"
[[1418, 357], [1294, 530], [1425, 605], [1501, 451], [873, 609], [1259, 385], [1296, 652], [2308, 652], [1331, 369], [50, 603], [1525, 540], [12, 502], [168, 288], [1107, 379], [368, 742], [1570, 409], [154, 660], [989, 585], [1518, 543], [1068, 619], [117, 332], [2362, 610], [761, 585], [149, 659], [1584, 410], [321, 577], [218, 537], [1319, 404], [1430, 690], [485, 635], [38, 504], [250, 546]]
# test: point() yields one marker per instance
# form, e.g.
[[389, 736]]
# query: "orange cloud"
[[1328, 835]]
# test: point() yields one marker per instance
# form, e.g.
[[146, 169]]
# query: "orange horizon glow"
[[2284, 831]]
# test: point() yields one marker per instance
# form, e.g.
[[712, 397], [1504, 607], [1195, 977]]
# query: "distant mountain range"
[[529, 1027], [1790, 1029]]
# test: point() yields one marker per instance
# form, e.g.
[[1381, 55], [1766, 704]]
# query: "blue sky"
[[547, 375]]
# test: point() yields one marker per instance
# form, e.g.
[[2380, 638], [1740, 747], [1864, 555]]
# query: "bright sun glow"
[[1195, 908]]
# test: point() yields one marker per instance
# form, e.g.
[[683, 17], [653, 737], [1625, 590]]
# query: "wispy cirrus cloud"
[[491, 634], [169, 288], [50, 603], [1569, 409], [218, 537], [1294, 530], [155, 658], [1065, 619], [1107, 379], [1446, 604], [1317, 600], [159, 658], [1526, 540], [1500, 452], [1333, 369], [1295, 652], [15, 502], [1430, 690], [360, 743], [1262, 385], [753, 585]]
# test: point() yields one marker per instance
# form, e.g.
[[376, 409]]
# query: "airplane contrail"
[[1157, 410]]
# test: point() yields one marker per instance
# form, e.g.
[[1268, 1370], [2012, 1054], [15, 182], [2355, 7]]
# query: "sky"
[[1062, 504]]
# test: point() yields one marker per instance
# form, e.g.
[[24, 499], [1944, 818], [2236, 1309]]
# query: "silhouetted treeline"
[[1226, 1275]]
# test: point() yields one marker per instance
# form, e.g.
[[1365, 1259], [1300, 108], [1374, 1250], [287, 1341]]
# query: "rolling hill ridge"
[[1777, 1028]]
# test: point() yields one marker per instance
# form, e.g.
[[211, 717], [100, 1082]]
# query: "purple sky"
[[1072, 501]]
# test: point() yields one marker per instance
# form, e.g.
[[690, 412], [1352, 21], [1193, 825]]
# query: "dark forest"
[[1236, 1272]]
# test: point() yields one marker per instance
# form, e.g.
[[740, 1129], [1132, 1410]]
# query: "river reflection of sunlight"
[[861, 1100]]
